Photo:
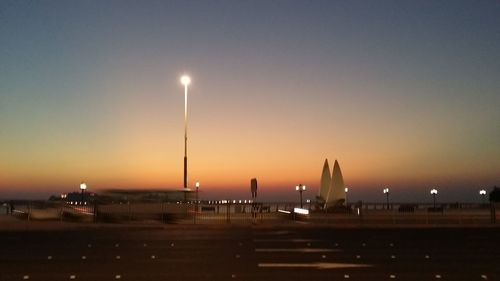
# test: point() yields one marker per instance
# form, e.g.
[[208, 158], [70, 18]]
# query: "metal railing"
[[255, 213]]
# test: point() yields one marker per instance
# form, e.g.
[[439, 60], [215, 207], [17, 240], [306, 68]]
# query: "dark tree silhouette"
[[495, 194]]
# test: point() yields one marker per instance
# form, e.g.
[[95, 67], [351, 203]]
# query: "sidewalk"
[[10, 223]]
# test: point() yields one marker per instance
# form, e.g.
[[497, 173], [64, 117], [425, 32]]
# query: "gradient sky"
[[402, 93]]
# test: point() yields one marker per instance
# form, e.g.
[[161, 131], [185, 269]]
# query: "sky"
[[404, 94]]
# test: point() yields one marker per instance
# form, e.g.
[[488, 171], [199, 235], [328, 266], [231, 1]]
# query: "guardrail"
[[256, 213]]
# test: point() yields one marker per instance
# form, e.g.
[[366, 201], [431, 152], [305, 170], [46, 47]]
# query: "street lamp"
[[386, 192], [185, 80], [346, 190], [197, 184], [83, 186], [300, 188], [434, 192], [482, 192]]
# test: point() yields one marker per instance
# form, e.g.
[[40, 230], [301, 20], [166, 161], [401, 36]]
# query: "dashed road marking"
[[296, 250], [317, 265]]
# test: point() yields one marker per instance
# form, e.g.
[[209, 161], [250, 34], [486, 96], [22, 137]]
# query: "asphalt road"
[[251, 253]]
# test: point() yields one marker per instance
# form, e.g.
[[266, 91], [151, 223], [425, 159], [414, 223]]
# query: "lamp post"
[[386, 192], [482, 192], [346, 190], [300, 188], [197, 184], [185, 80], [434, 192], [83, 186]]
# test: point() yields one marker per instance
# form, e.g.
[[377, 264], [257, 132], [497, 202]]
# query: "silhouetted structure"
[[331, 191]]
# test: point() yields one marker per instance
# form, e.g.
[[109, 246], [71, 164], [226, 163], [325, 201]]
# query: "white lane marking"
[[278, 232], [296, 250], [318, 265], [286, 240]]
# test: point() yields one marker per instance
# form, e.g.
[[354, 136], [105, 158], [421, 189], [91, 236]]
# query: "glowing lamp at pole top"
[[83, 186], [185, 80]]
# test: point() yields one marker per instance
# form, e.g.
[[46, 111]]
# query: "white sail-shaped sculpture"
[[326, 178], [336, 194]]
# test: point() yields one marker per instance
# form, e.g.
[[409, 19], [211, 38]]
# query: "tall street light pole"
[[83, 186], [482, 192], [346, 190], [434, 192], [300, 188], [185, 80], [386, 192]]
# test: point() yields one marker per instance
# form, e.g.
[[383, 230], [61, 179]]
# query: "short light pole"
[[482, 193], [309, 202], [386, 192], [434, 192], [346, 190], [83, 186], [197, 184], [300, 188]]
